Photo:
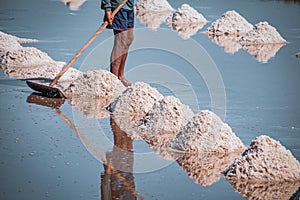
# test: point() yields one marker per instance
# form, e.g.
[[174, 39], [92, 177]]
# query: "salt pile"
[[231, 23], [153, 5], [97, 83], [186, 21], [298, 55], [266, 160], [132, 105], [153, 13], [262, 191], [228, 42], [91, 107], [262, 33], [206, 133], [28, 62], [206, 168], [164, 121], [186, 15], [263, 52]]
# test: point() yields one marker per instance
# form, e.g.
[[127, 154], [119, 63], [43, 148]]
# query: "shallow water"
[[42, 157]]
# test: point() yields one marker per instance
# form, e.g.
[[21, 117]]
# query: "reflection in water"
[[43, 100], [91, 107], [73, 4], [117, 181], [263, 52], [119, 161], [206, 168], [228, 42], [262, 191], [152, 19], [186, 30]]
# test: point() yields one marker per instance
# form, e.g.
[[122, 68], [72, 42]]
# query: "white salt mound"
[[186, 21], [97, 83], [206, 133], [231, 23], [26, 57], [266, 160], [262, 33], [164, 120], [153, 5], [6, 37], [186, 15], [132, 105], [28, 62]]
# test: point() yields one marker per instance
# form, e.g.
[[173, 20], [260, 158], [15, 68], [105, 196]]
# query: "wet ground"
[[44, 156]]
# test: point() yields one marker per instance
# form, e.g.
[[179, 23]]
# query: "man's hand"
[[108, 17]]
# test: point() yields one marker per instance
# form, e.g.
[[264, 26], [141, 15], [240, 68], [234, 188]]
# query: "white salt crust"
[[262, 33], [266, 160], [132, 105], [97, 83], [163, 121], [231, 23], [206, 133]]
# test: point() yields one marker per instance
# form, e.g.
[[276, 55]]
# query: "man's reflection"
[[117, 182]]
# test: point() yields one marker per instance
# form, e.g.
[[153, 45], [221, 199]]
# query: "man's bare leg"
[[128, 34], [123, 39]]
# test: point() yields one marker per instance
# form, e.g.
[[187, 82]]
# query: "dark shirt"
[[109, 5]]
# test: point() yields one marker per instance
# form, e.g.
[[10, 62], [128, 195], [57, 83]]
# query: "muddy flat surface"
[[42, 157]]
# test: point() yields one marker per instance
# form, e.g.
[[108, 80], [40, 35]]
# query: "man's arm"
[[106, 5]]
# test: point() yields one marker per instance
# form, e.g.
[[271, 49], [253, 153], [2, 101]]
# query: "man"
[[122, 24]]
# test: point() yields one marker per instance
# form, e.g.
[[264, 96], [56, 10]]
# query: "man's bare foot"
[[125, 82]]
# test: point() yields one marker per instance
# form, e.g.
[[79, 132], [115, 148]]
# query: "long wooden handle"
[[101, 28]]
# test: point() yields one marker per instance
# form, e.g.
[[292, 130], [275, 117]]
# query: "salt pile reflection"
[[73, 4], [263, 52], [229, 43], [265, 190], [205, 168]]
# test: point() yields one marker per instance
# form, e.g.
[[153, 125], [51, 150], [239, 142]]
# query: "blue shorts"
[[123, 20]]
